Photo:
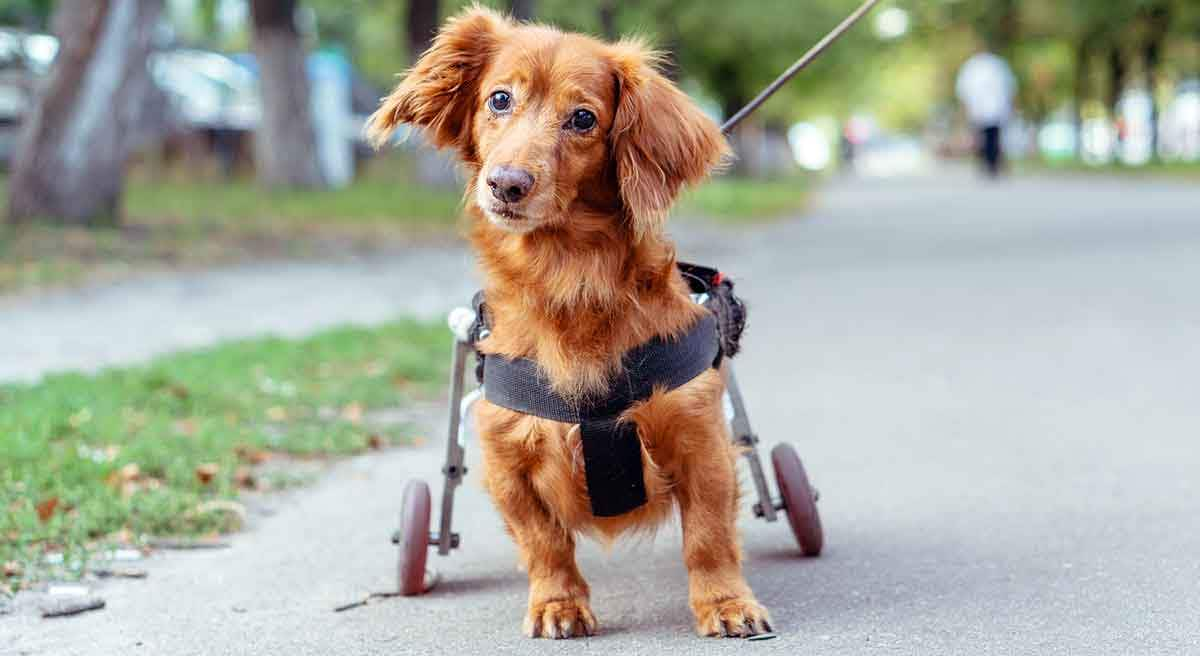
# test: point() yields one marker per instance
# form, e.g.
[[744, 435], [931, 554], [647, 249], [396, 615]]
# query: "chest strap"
[[612, 452]]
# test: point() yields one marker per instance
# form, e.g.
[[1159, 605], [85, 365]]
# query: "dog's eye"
[[500, 102], [582, 120]]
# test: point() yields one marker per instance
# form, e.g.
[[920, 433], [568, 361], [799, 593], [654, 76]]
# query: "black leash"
[[800, 64]]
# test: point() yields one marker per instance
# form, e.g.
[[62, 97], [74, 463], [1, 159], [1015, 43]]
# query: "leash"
[[800, 64]]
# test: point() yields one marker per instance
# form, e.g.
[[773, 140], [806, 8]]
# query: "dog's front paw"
[[732, 618], [563, 618]]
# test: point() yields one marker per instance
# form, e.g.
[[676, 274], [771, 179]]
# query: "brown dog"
[[576, 151]]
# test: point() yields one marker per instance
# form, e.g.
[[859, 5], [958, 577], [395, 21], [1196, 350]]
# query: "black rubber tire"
[[414, 538], [799, 500]]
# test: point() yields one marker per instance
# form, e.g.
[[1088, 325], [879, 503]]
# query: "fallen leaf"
[[185, 426], [12, 569], [206, 472], [375, 441], [125, 476], [244, 477], [252, 455], [276, 413], [45, 509], [353, 412]]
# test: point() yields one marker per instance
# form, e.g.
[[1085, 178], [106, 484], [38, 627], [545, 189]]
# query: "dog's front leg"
[[708, 498], [558, 596]]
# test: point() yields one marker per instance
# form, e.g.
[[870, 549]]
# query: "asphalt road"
[[994, 388]]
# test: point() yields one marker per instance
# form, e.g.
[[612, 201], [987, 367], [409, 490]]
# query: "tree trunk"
[[285, 150], [746, 137], [1159, 19], [422, 24], [608, 19], [434, 168], [70, 157], [1116, 79], [1116, 85], [521, 9], [1152, 55], [1083, 53]]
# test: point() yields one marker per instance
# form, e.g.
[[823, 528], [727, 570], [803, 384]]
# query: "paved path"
[[136, 319], [994, 387]]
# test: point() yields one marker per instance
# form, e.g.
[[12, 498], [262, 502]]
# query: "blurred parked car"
[[213, 100]]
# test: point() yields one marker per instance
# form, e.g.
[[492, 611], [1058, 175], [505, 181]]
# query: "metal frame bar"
[[455, 467], [446, 540], [744, 436]]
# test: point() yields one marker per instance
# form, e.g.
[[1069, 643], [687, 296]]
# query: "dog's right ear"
[[440, 92]]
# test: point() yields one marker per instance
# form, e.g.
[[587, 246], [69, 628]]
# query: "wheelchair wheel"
[[799, 499], [414, 538]]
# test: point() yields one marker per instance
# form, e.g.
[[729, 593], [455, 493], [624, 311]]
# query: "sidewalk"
[[134, 320]]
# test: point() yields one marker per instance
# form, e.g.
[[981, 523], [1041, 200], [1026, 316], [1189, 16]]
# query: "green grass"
[[396, 204], [1188, 171], [743, 201], [117, 457], [175, 221]]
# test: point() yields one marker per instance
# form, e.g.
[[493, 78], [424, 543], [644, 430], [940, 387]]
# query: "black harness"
[[612, 452]]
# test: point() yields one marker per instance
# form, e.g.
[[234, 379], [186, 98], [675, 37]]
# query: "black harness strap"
[[612, 451]]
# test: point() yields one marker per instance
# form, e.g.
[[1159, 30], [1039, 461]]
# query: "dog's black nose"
[[509, 184]]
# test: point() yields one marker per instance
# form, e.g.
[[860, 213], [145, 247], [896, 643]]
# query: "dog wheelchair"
[[797, 498]]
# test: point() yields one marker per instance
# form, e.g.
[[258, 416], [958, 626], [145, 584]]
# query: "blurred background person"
[[986, 87]]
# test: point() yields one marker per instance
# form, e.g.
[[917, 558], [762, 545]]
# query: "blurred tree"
[[70, 157], [33, 15], [422, 22], [1155, 17], [285, 144], [608, 19]]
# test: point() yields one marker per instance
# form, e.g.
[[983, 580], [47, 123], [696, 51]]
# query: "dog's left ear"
[[660, 139], [440, 92]]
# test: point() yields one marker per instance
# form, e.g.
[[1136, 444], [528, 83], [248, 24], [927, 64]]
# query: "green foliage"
[[30, 14], [740, 201], [120, 450]]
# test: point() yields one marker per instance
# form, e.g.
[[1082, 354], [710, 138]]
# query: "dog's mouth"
[[509, 218], [507, 212]]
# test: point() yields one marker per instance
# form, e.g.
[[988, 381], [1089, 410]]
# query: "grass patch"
[[394, 204], [1189, 171], [744, 201], [176, 222], [92, 460]]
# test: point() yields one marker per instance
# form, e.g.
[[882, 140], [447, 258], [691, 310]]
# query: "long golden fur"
[[578, 271]]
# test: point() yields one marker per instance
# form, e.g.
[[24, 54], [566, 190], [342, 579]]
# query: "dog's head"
[[551, 122]]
